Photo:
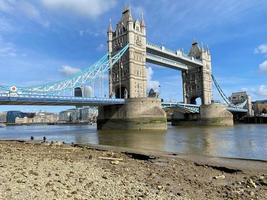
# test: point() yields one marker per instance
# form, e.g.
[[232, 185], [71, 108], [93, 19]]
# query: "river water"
[[241, 141]]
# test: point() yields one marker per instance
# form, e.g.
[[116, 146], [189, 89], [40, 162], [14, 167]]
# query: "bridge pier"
[[135, 114], [210, 115], [215, 115]]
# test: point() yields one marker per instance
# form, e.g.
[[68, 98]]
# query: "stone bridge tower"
[[197, 81], [127, 78]]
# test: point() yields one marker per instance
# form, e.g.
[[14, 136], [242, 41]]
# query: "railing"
[[196, 108], [192, 108], [50, 97]]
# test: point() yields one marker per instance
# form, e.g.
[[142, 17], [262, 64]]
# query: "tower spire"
[[110, 26], [127, 13], [142, 20]]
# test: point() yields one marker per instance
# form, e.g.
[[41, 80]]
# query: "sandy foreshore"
[[45, 171]]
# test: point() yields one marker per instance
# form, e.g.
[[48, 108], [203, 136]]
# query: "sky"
[[43, 41]]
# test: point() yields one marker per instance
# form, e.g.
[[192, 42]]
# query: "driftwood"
[[110, 158]]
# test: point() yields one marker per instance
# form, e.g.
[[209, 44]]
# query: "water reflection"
[[243, 141], [134, 139]]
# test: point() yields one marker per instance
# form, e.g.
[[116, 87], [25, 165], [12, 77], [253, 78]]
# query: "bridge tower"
[[197, 81], [127, 78]]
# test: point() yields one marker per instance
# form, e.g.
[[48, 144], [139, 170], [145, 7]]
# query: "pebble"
[[115, 162], [219, 177], [160, 187], [252, 183]]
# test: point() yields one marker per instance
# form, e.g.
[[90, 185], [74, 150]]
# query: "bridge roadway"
[[192, 108], [22, 99]]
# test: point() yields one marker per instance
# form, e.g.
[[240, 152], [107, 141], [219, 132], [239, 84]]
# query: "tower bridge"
[[125, 62]]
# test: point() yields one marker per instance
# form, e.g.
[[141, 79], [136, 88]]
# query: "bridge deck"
[[6, 99], [58, 101]]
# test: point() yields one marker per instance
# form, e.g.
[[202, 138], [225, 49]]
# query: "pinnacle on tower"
[[110, 26], [194, 42], [127, 11], [142, 20]]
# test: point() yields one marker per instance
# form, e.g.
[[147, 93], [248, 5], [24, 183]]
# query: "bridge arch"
[[121, 92], [196, 100]]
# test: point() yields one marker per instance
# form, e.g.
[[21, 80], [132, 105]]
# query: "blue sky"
[[47, 40]]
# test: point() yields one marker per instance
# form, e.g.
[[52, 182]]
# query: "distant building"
[[70, 115], [12, 115], [84, 91], [239, 98], [260, 108], [3, 117], [45, 117], [33, 118], [23, 120], [85, 114]]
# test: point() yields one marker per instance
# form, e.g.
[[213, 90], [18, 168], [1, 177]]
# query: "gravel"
[[43, 171]]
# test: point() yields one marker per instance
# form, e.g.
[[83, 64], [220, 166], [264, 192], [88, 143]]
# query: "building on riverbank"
[[260, 108], [13, 115], [78, 115], [239, 98], [37, 118], [45, 117], [3, 117]]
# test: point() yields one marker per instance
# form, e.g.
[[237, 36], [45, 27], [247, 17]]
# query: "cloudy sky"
[[47, 40]]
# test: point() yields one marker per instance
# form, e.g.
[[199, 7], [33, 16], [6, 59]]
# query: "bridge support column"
[[135, 114], [215, 115], [210, 115]]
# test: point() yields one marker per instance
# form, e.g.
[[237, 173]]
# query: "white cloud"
[[23, 8], [88, 8], [262, 90], [4, 6], [258, 92], [151, 83], [32, 13], [68, 70], [261, 49], [263, 66]]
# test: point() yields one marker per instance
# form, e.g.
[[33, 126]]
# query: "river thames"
[[247, 141]]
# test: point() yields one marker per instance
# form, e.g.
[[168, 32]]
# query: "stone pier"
[[215, 115], [210, 115], [135, 114]]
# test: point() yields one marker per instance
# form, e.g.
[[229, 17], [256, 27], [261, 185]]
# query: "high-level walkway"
[[178, 60]]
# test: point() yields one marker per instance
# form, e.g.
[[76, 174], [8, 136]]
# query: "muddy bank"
[[45, 171]]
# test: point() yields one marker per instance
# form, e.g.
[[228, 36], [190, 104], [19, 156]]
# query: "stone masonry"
[[127, 78]]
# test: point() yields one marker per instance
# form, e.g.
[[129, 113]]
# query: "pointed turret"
[[143, 24], [110, 26], [127, 14]]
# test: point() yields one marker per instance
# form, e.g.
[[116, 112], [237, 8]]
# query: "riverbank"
[[58, 171]]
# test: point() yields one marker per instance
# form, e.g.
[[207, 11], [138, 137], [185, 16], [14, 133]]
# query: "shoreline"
[[204, 159], [35, 170]]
